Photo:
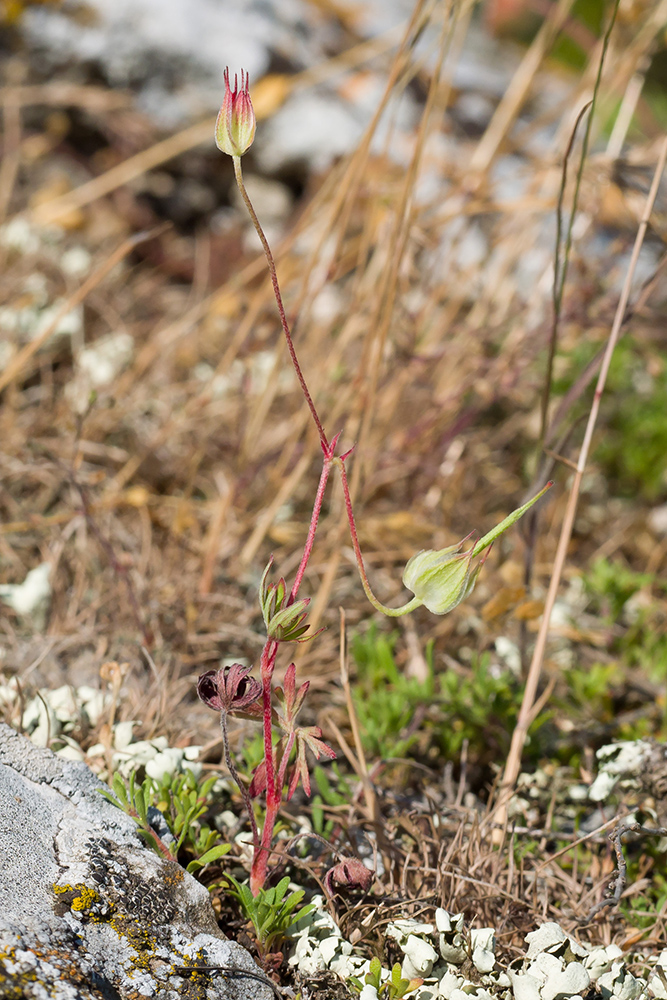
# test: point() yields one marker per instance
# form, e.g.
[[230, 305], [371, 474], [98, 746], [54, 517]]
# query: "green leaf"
[[212, 855], [120, 792], [110, 797], [140, 804], [149, 837], [374, 972]]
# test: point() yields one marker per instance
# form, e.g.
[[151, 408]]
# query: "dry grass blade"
[[369, 791], [516, 93], [17, 364], [513, 764], [183, 141]]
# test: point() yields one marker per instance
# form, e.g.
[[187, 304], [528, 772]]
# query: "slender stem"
[[378, 605], [231, 767], [308, 547], [260, 861], [267, 664], [525, 717], [279, 300]]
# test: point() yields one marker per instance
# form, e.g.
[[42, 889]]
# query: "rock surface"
[[86, 911]]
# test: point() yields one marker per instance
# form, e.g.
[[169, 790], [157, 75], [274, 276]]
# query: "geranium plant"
[[439, 580]]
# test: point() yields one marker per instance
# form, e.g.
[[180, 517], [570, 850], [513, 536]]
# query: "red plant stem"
[[378, 605], [308, 547], [260, 861], [279, 300], [353, 528], [274, 790], [267, 665]]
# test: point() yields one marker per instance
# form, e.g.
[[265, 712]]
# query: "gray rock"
[[87, 912]]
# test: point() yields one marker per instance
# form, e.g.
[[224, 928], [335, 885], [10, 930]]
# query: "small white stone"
[[401, 929], [449, 982], [657, 520], [76, 262], [446, 922], [419, 958], [31, 596], [573, 979], [545, 965], [549, 935], [328, 947], [483, 943], [368, 992]]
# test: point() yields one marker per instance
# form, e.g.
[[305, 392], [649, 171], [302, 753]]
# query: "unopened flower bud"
[[235, 125], [284, 622], [350, 873], [442, 579]]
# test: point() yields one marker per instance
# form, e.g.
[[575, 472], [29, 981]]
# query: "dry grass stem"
[[513, 764]]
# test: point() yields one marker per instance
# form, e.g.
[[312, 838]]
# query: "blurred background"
[[154, 446]]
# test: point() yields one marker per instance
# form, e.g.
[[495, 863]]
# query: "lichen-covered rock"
[[86, 911]]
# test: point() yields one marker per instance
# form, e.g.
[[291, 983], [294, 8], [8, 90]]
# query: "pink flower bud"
[[230, 689], [235, 126], [350, 873]]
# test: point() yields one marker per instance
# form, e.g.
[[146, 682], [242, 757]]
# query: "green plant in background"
[[271, 912], [385, 699], [480, 706], [641, 639], [611, 584], [646, 867], [591, 688], [182, 800], [393, 989], [631, 453], [331, 793]]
